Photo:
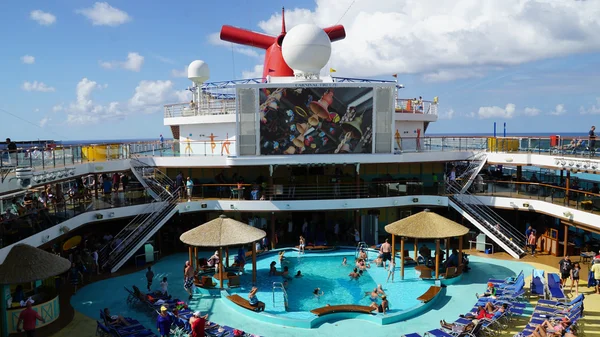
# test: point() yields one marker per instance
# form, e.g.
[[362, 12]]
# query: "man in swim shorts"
[[188, 278], [385, 252]]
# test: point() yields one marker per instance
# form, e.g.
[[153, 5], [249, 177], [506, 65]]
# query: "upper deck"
[[219, 99]]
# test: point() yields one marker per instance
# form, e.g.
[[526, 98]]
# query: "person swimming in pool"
[[318, 292], [373, 295], [286, 273], [354, 275], [272, 269], [298, 274], [380, 290], [344, 261]]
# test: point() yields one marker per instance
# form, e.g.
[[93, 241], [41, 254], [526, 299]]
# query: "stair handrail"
[[279, 285], [161, 215], [148, 223], [481, 210], [141, 218], [163, 178]]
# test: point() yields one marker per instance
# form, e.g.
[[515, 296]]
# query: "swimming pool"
[[325, 271], [457, 299]]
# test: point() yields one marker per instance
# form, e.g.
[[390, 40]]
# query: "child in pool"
[[344, 261]]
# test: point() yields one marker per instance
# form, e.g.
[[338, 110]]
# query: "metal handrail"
[[279, 285], [480, 210], [147, 226], [126, 232]]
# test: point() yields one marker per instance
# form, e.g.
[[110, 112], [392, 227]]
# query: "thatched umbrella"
[[25, 263], [427, 225], [223, 232]]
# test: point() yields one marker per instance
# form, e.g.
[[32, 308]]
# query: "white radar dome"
[[306, 48], [198, 72]]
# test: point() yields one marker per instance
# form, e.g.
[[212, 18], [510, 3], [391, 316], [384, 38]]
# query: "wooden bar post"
[[401, 258], [446, 243], [254, 263], [195, 258], [437, 259], [566, 239], [393, 246], [221, 276], [416, 253], [460, 253], [191, 257]]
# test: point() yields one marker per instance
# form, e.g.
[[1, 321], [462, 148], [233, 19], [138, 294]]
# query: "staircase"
[[153, 179], [138, 231], [480, 215]]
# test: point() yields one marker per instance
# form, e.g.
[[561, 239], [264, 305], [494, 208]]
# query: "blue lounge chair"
[[537, 286], [551, 303], [555, 288]]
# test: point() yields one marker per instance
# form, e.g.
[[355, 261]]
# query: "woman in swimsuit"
[[383, 307]]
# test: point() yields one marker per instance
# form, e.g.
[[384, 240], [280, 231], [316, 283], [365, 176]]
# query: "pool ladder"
[[359, 246], [279, 285]]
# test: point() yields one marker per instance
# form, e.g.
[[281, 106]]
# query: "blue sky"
[[487, 61]]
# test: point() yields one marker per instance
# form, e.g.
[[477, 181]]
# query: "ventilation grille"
[[248, 110], [383, 119]]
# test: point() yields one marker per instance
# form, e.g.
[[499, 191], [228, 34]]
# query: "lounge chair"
[[429, 294], [342, 308], [555, 288], [551, 303]]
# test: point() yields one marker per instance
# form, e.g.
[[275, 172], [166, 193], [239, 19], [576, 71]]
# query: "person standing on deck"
[[29, 318]]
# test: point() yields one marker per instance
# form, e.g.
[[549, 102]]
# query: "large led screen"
[[316, 120]]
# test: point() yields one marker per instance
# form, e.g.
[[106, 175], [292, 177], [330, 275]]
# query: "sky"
[[78, 69]]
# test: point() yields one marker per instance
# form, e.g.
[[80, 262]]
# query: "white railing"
[[207, 107], [416, 107]]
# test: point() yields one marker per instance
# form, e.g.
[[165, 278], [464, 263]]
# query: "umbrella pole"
[[402, 258], [221, 267], [446, 241], [437, 259], [227, 257], [196, 257], [253, 263], [190, 256], [460, 254], [416, 250], [394, 247]]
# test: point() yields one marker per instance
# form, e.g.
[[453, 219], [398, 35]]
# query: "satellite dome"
[[306, 48], [198, 72]]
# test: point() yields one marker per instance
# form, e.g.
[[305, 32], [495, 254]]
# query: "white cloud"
[[58, 107], [103, 14], [447, 114], [37, 86], [134, 62], [256, 72], [44, 121], [452, 74], [148, 97], [180, 73], [28, 59], [496, 111], [43, 18], [531, 111], [215, 39], [407, 36], [593, 110], [163, 59], [559, 110]]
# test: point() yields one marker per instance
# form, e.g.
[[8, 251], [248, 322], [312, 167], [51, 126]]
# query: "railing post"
[[53, 158], [43, 161]]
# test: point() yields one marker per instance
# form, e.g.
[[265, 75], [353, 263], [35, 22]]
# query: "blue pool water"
[[458, 299], [325, 271]]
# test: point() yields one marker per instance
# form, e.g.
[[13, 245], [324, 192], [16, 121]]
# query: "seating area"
[[330, 309], [242, 302], [554, 313], [429, 294], [121, 326]]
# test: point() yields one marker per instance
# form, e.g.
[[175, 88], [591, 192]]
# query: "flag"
[[331, 70], [395, 75]]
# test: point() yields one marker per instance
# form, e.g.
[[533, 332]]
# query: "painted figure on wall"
[[398, 139], [188, 146], [213, 145], [225, 145]]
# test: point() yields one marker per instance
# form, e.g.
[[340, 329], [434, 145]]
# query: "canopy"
[[222, 232], [426, 225], [25, 263]]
